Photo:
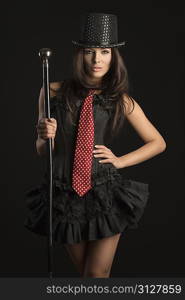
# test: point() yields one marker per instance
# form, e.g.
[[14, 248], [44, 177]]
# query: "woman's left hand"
[[102, 151]]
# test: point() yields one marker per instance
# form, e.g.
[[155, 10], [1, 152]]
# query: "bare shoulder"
[[132, 107], [54, 87], [133, 110], [140, 122], [129, 104]]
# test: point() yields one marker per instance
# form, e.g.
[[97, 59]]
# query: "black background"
[[154, 56]]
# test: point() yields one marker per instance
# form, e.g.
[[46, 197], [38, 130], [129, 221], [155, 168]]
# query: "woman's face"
[[97, 61]]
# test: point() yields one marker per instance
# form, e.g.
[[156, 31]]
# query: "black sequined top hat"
[[99, 31]]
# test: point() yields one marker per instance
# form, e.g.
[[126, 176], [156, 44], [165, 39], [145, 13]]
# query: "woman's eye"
[[105, 51], [87, 51]]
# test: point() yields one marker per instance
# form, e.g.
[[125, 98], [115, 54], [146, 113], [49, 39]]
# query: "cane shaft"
[[49, 165]]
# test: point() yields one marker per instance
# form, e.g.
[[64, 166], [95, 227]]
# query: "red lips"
[[96, 68]]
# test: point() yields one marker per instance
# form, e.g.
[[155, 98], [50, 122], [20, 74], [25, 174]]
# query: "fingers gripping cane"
[[44, 54]]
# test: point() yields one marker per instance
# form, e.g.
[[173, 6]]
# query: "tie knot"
[[91, 92]]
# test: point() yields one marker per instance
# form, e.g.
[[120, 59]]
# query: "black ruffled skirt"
[[112, 205]]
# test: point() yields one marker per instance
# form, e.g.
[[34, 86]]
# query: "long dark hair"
[[114, 84]]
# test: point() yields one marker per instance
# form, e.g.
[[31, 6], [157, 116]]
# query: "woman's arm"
[[41, 143], [154, 142], [41, 146]]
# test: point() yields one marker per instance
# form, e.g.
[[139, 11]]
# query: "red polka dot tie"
[[81, 176]]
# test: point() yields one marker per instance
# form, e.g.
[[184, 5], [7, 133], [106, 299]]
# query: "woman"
[[92, 202]]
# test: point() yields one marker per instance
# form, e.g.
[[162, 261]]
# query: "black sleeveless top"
[[65, 139]]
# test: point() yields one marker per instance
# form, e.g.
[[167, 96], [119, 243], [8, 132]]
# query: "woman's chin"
[[96, 75]]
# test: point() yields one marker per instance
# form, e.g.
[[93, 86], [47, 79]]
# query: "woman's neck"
[[97, 91], [94, 81]]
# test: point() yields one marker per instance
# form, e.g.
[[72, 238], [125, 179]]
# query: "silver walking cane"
[[45, 54]]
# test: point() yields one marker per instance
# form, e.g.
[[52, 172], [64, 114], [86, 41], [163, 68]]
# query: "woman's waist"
[[99, 175]]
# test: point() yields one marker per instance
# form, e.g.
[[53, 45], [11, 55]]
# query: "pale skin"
[[95, 258]]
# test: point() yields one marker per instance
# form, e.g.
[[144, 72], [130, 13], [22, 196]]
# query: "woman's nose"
[[96, 58]]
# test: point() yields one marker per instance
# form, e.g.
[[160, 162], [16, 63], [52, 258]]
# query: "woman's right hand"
[[46, 128]]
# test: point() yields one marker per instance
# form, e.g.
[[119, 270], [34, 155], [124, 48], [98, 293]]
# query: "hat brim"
[[98, 46]]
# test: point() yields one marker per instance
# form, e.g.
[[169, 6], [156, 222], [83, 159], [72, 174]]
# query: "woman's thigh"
[[77, 253], [99, 256]]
